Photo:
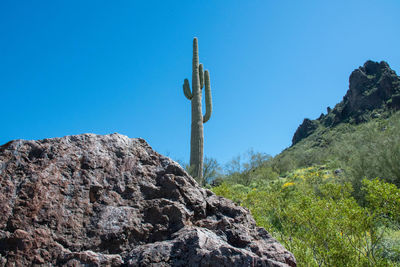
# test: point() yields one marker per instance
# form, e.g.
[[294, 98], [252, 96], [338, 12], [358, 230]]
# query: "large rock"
[[91, 200]]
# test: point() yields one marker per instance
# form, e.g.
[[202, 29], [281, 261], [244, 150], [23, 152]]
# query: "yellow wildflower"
[[287, 184]]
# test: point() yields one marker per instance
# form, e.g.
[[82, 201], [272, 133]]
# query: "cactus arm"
[[201, 76], [186, 89], [208, 97]]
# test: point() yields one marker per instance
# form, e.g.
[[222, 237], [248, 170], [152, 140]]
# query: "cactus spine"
[[199, 79]]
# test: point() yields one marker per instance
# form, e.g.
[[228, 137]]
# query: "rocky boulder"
[[91, 200]]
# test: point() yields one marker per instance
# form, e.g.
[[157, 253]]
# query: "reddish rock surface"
[[91, 200]]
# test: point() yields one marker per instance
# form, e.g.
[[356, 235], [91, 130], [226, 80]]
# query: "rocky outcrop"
[[374, 91], [305, 129], [371, 88], [91, 200]]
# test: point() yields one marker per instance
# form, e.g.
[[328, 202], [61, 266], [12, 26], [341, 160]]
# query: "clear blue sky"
[[72, 67]]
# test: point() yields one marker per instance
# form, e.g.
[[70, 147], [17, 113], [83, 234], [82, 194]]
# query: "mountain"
[[92, 200], [374, 91], [359, 135]]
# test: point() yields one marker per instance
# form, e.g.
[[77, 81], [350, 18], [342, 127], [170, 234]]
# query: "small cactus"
[[200, 79]]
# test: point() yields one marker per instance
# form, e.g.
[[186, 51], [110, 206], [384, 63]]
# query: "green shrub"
[[252, 168], [315, 216]]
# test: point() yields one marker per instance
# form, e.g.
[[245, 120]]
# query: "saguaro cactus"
[[199, 79]]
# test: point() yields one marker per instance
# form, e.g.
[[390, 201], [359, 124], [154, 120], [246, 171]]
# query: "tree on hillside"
[[211, 170]]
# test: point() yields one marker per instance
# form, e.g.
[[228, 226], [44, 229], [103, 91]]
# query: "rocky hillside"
[[91, 200], [374, 91]]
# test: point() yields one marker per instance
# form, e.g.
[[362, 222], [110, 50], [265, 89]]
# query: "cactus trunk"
[[199, 79], [196, 140]]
